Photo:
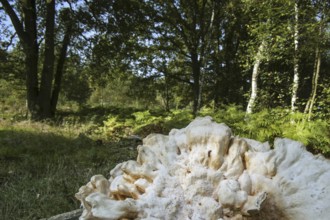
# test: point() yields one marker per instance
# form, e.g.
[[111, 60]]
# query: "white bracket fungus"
[[204, 172]]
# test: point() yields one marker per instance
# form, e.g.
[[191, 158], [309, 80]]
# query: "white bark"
[[316, 73], [201, 83], [254, 79], [295, 84]]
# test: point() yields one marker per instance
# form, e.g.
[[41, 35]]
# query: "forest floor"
[[43, 164]]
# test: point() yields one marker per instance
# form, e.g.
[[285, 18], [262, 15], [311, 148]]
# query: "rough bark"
[[295, 83], [60, 69], [254, 79], [48, 65], [30, 45]]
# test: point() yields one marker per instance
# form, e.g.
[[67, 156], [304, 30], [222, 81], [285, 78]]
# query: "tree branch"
[[10, 42], [15, 20]]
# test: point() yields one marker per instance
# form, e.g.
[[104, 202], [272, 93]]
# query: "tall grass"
[[42, 166]]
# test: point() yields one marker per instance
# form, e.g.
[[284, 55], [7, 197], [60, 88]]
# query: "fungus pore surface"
[[204, 172]]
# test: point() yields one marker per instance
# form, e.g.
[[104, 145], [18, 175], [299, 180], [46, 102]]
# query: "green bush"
[[145, 122], [268, 124], [265, 125]]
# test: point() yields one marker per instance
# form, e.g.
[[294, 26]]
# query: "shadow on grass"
[[41, 172]]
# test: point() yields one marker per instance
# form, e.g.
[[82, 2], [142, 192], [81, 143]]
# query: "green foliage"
[[76, 88], [136, 55], [145, 122], [268, 124], [322, 110], [265, 125], [124, 89], [12, 91], [12, 99], [75, 84]]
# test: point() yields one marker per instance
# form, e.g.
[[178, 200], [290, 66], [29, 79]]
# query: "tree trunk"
[[28, 38], [216, 98], [316, 73], [167, 94], [295, 84], [217, 64], [167, 97], [254, 79], [196, 84], [316, 70], [60, 69], [48, 65], [31, 51], [31, 71]]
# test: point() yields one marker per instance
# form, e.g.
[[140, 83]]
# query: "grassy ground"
[[42, 165]]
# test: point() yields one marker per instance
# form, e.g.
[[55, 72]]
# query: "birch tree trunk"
[[295, 83], [316, 70], [204, 51], [254, 79], [316, 73], [196, 70]]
